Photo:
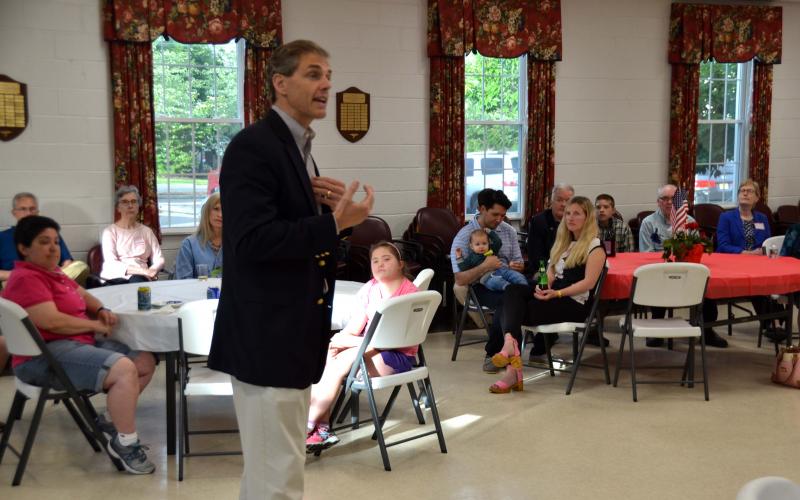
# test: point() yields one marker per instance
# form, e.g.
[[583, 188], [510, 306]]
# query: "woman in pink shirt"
[[389, 280], [131, 251]]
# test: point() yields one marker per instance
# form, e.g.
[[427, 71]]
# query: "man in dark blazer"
[[542, 227], [282, 225]]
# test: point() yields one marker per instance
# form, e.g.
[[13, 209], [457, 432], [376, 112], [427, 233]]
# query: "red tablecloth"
[[731, 275]]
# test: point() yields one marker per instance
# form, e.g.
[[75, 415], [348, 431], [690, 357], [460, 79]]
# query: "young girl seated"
[[389, 279], [482, 245]]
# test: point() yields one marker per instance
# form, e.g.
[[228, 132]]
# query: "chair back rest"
[[371, 231], [404, 321], [18, 330], [439, 222], [774, 240], [707, 215], [423, 279], [196, 325], [788, 214], [764, 209], [95, 259], [671, 284]]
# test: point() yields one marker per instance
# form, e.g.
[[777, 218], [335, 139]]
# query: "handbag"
[[787, 367]]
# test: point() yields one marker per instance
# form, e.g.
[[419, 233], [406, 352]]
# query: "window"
[[198, 109], [495, 97], [722, 131]]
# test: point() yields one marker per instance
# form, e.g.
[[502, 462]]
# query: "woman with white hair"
[[205, 246], [131, 252]]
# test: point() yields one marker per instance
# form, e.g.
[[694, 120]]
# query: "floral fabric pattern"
[[134, 135], [256, 101], [495, 28], [446, 150], [540, 150], [725, 33], [684, 100], [760, 127], [194, 21]]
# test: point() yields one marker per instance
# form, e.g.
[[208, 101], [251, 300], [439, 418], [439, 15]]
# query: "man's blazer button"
[[321, 263], [320, 301]]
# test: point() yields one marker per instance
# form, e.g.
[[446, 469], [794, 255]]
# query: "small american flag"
[[680, 210]]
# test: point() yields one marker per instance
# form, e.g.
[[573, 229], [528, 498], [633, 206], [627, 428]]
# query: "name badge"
[[759, 226]]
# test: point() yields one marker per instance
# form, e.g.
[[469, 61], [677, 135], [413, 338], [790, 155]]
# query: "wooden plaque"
[[13, 108], [352, 114]]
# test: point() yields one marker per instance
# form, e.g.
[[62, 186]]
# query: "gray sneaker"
[[488, 366], [133, 457], [106, 427]]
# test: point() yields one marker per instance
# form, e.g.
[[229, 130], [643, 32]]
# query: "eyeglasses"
[[747, 191], [665, 198], [129, 203], [30, 210]]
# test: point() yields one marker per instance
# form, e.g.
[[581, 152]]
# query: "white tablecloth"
[[157, 330]]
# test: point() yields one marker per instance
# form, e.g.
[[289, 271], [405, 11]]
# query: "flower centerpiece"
[[687, 245]]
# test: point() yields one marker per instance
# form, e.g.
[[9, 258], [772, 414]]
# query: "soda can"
[[143, 298], [212, 292]]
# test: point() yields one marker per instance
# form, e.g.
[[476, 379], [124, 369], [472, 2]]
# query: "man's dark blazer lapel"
[[285, 135]]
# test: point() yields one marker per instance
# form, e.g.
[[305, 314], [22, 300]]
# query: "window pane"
[[226, 105], [717, 100], [703, 99], [473, 98], [509, 106], [492, 97], [176, 92], [730, 149], [731, 70], [717, 143], [717, 70], [175, 180], [730, 100], [492, 66], [703, 136]]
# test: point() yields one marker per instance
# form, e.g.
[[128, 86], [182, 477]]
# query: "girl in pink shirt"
[[389, 280]]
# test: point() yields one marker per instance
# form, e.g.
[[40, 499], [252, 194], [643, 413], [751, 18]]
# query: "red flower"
[[692, 225]]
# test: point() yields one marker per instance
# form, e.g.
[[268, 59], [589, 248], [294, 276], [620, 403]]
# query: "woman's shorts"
[[86, 365], [398, 361]]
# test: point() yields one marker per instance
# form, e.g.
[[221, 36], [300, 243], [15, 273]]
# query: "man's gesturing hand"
[[349, 213]]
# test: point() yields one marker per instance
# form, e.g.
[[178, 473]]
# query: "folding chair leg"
[[690, 365], [423, 396], [460, 329], [26, 450], [619, 357], [82, 425], [703, 363], [354, 410], [13, 415], [373, 408], [576, 363], [603, 351], [387, 409], [633, 368], [435, 414], [338, 411], [416, 403], [730, 315], [547, 348]]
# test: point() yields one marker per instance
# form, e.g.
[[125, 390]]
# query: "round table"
[[157, 330], [732, 275]]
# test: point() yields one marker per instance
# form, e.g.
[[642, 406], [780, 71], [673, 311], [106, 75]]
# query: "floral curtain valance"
[[194, 21], [495, 28], [725, 33]]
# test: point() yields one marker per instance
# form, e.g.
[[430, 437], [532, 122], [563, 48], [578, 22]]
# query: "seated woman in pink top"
[[131, 252], [389, 280]]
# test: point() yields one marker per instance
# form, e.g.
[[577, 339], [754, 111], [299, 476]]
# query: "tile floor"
[[538, 444]]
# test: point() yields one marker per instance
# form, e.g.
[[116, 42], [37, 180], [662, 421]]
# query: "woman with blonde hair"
[[576, 262], [205, 246]]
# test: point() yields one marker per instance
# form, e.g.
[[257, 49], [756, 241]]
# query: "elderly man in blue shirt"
[[492, 207]]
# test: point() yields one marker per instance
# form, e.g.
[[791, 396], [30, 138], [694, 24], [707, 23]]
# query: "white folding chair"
[[423, 279], [195, 330], [472, 307], [783, 300], [23, 339], [769, 488], [399, 322], [676, 285], [575, 329]]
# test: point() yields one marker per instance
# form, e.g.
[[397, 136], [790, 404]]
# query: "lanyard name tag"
[[759, 226]]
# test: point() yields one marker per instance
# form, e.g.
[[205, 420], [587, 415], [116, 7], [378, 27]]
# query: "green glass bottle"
[[543, 285]]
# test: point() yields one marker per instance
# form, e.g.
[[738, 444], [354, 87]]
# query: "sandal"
[[500, 359], [501, 387]]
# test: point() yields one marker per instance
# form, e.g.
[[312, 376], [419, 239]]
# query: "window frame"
[[521, 123], [160, 67], [744, 100]]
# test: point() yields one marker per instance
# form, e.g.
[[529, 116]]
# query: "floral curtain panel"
[[134, 135], [726, 34], [495, 28], [130, 25], [540, 149]]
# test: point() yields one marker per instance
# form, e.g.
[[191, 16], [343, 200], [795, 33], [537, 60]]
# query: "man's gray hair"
[[561, 186], [22, 196], [123, 190], [660, 191]]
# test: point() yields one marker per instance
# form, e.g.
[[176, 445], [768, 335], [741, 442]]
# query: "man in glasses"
[[23, 205]]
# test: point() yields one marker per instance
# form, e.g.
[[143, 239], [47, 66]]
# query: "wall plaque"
[[13, 108], [352, 114]]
